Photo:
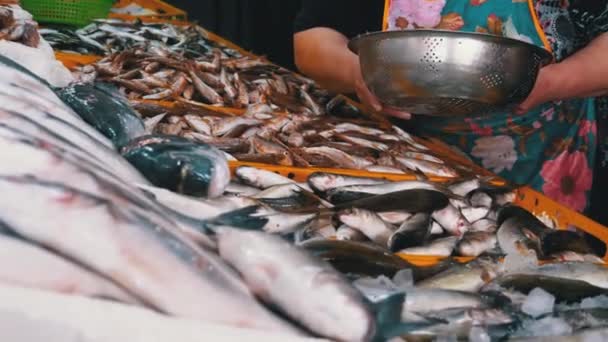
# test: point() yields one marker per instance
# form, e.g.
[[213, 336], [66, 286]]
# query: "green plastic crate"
[[67, 12]]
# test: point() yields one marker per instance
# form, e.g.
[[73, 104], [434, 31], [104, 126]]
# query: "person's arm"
[[322, 54], [584, 74]]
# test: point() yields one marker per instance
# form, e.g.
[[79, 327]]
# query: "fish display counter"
[[178, 180]]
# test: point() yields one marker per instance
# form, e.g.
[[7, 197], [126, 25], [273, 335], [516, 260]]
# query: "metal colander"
[[447, 73]]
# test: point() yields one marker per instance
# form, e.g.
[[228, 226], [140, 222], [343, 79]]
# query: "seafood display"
[[119, 187], [105, 36]]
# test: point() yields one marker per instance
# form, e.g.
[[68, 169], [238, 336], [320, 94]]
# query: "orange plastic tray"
[[164, 10]]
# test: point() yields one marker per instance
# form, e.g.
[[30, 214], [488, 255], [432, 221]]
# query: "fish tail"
[[241, 218]]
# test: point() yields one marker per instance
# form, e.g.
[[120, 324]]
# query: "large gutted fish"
[[30, 265], [157, 265], [305, 288]]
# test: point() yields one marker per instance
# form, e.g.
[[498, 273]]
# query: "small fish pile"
[[261, 135], [17, 29], [159, 74], [106, 36], [361, 226]]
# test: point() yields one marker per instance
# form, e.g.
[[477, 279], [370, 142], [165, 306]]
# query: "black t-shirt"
[[349, 17]]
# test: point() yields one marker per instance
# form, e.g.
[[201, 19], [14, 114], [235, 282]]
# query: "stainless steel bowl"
[[447, 73]]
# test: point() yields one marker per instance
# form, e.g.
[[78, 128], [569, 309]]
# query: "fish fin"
[[421, 176], [387, 311], [243, 218]]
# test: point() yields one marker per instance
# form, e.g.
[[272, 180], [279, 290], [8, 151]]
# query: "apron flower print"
[[551, 148]]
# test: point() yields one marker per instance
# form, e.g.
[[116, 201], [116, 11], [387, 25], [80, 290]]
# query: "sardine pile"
[[105, 36], [16, 29]]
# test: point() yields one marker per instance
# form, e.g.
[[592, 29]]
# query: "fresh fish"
[[406, 200], [166, 273], [474, 214], [240, 189], [233, 126], [415, 231], [341, 158], [436, 228], [70, 139], [284, 223], [288, 196], [394, 217], [558, 241], [476, 243], [439, 247], [461, 321], [423, 156], [573, 256], [468, 277], [362, 142], [204, 90], [427, 167], [484, 225], [321, 182], [198, 124], [346, 233], [425, 301], [263, 147], [593, 274], [365, 259], [259, 178], [180, 165], [305, 288], [151, 123], [480, 199], [383, 188], [452, 220], [29, 265], [383, 169], [519, 231], [369, 223]]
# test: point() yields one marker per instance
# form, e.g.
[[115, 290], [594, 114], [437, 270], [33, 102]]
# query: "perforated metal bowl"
[[447, 73]]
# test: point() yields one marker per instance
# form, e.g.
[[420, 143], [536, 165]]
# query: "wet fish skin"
[[414, 231], [369, 223], [259, 178], [452, 220], [30, 265], [470, 277], [117, 229], [320, 182], [439, 247], [519, 231], [346, 233], [305, 288], [476, 243]]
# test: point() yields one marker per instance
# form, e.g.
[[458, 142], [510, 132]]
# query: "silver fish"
[[259, 178], [439, 247], [394, 217], [305, 288], [321, 181], [120, 233], [29, 265], [475, 243], [468, 277], [151, 123], [342, 158], [384, 169], [414, 231], [484, 225], [369, 223], [346, 233], [452, 220], [198, 124], [473, 214], [427, 167], [594, 274]]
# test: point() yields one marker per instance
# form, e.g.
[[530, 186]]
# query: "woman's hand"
[[369, 100], [545, 89], [584, 74]]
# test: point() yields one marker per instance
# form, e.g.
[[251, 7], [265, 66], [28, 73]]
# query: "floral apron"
[[551, 148]]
